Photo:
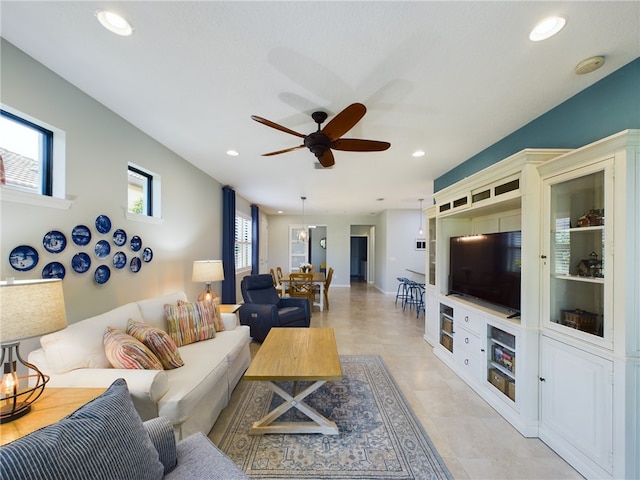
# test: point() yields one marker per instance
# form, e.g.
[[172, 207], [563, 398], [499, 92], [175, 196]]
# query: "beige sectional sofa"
[[191, 396]]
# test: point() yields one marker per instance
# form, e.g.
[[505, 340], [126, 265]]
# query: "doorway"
[[359, 258]]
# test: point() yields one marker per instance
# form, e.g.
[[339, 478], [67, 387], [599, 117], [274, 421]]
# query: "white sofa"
[[191, 396]]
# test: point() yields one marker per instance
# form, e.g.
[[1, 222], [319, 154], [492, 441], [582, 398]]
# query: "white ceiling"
[[450, 78]]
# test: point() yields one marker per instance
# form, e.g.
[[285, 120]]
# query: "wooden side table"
[[53, 405], [229, 308]]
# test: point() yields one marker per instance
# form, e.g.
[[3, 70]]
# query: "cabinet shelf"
[[578, 278], [503, 370], [581, 229]]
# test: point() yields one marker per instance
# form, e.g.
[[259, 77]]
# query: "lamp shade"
[[30, 308], [207, 271]]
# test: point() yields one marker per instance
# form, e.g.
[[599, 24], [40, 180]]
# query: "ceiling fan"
[[322, 141]]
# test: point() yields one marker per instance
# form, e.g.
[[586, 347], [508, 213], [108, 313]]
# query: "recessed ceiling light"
[[232, 153], [547, 28], [114, 23], [418, 153], [280, 211]]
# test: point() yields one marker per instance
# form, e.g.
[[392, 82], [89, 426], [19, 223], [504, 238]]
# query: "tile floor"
[[474, 441]]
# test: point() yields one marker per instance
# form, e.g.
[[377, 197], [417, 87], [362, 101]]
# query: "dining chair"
[[276, 283], [283, 286], [327, 282], [301, 285]]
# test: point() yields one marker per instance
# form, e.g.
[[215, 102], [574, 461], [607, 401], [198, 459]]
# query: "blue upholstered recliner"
[[263, 309]]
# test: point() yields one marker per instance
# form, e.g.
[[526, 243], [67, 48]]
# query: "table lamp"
[[28, 308], [207, 271]]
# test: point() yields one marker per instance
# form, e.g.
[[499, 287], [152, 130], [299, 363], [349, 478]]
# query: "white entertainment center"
[[567, 369]]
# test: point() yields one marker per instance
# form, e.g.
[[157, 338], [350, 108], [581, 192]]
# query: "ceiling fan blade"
[[344, 121], [283, 151], [357, 145], [327, 160], [271, 124]]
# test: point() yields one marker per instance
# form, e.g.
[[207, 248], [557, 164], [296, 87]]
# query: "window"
[[27, 154], [140, 191], [243, 242], [143, 192]]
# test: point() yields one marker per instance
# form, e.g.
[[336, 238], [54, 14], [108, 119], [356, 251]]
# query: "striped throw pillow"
[[186, 325], [102, 440], [158, 341], [211, 310], [124, 351]]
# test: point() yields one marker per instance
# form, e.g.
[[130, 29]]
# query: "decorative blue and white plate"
[[102, 249], [135, 264], [119, 260], [136, 243], [81, 235], [147, 255], [54, 241], [54, 270], [81, 262], [102, 274], [119, 237], [103, 224], [23, 258]]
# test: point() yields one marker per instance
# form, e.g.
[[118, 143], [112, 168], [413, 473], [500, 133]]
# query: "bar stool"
[[402, 291], [420, 306], [413, 298]]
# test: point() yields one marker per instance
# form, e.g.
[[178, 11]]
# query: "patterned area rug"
[[380, 437]]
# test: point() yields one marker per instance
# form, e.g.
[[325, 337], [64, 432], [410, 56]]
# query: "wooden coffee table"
[[297, 355]]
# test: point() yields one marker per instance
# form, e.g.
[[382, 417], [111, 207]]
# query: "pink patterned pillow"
[[158, 341], [210, 310], [124, 351], [186, 325]]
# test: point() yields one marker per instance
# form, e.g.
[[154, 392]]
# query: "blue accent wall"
[[606, 107]]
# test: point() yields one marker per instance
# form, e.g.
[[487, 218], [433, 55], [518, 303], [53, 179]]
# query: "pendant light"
[[303, 233], [421, 232]]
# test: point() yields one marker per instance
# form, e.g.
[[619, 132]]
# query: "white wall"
[[99, 145], [401, 230], [395, 234]]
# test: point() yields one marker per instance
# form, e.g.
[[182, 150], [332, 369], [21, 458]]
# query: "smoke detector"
[[589, 65]]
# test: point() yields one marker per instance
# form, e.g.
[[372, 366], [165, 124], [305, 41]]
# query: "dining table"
[[319, 278]]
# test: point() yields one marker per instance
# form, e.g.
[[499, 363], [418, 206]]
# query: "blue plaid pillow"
[[104, 439]]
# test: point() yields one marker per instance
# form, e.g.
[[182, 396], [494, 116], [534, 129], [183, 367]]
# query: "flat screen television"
[[487, 267]]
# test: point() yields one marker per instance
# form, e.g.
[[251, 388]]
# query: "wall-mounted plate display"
[[81, 235], [102, 249], [23, 258], [147, 255], [102, 274], [80, 262], [54, 241], [136, 243], [54, 270], [119, 237], [103, 224], [135, 264], [119, 260]]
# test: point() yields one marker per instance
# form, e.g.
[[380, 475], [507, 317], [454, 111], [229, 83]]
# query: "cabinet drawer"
[[470, 364], [467, 341], [469, 321]]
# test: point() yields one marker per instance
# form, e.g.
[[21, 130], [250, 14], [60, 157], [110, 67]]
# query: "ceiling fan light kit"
[[324, 140]]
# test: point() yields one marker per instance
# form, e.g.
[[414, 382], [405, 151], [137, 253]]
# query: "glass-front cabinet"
[[431, 259], [577, 252], [298, 250]]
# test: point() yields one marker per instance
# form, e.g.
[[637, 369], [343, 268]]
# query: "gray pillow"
[[104, 439]]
